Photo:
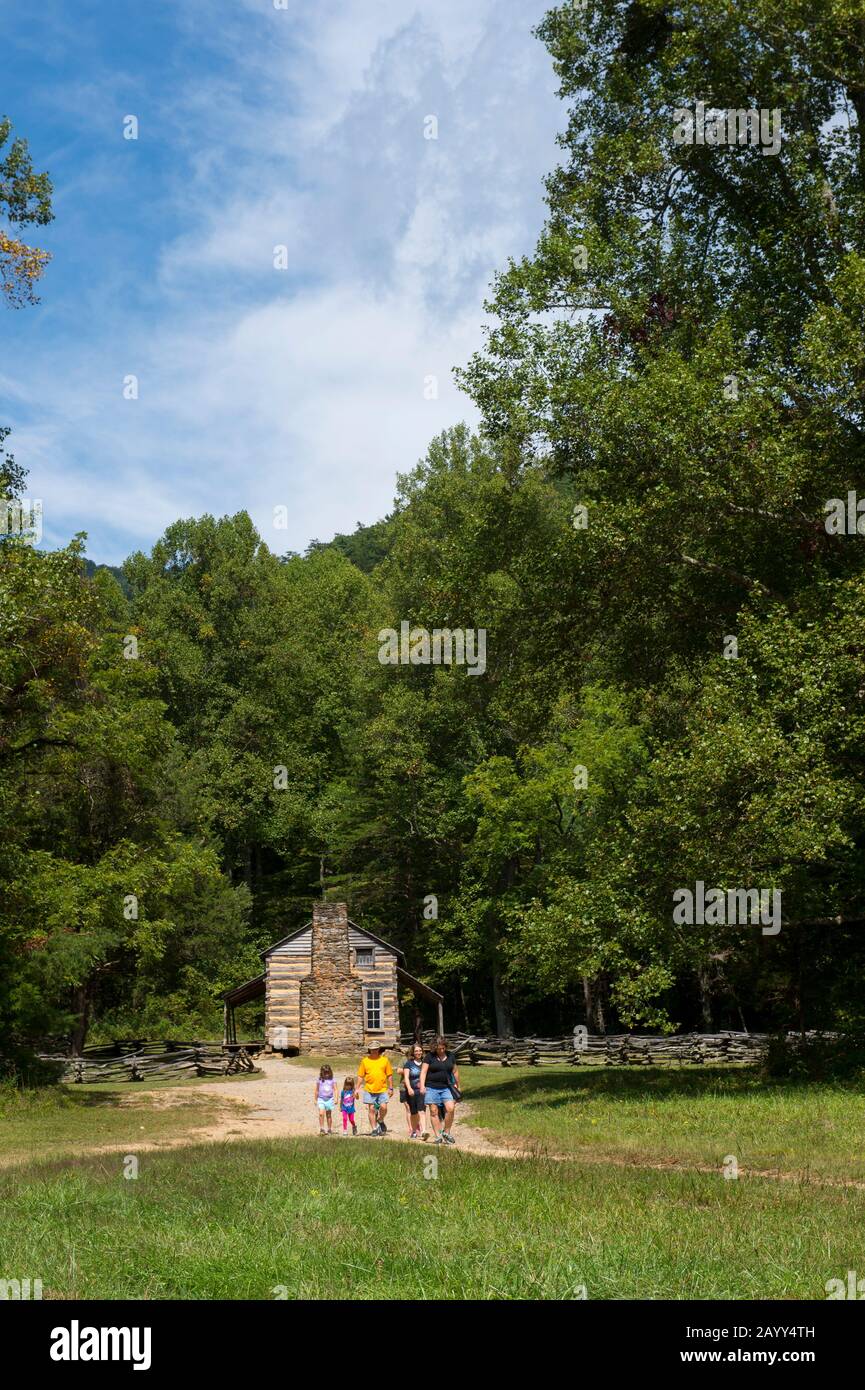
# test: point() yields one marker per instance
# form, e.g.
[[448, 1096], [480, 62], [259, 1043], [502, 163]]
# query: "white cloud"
[[261, 387]]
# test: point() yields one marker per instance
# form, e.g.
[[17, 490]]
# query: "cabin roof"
[[255, 989], [241, 994], [363, 931], [418, 986]]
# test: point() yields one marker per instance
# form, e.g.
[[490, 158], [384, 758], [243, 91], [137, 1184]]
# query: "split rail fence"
[[136, 1060], [154, 1060], [608, 1049]]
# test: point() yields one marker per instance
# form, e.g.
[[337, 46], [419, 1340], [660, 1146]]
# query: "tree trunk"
[[800, 983], [594, 1007], [464, 1007], [502, 1005], [81, 1009], [705, 1000]]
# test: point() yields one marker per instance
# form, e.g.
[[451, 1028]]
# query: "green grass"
[[358, 1219], [48, 1121], [675, 1115]]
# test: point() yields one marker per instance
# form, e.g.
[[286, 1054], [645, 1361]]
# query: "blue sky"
[[260, 127]]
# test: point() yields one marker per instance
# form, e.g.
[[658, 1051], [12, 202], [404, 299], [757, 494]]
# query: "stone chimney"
[[331, 996], [331, 954]]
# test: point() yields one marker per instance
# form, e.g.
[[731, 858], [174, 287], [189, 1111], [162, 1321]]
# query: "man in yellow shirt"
[[375, 1083]]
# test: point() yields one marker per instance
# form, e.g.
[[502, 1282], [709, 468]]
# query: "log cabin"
[[329, 987]]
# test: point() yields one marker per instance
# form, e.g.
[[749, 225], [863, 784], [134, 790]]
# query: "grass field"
[[685, 1115], [368, 1220], [36, 1124], [697, 1116], [362, 1221]]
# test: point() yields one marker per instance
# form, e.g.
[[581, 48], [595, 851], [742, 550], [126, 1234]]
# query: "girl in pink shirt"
[[325, 1099]]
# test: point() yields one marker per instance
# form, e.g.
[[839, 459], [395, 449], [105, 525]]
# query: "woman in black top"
[[410, 1093], [438, 1076]]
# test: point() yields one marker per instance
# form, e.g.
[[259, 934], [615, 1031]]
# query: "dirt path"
[[278, 1105]]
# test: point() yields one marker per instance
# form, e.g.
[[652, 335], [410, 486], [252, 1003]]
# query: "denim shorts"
[[376, 1098], [437, 1097]]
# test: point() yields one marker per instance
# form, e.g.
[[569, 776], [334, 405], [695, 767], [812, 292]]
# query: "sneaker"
[[438, 1140], [414, 1134], [321, 1131], [448, 1139], [354, 1129], [382, 1127], [376, 1132]]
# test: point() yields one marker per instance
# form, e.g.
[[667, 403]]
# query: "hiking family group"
[[429, 1085]]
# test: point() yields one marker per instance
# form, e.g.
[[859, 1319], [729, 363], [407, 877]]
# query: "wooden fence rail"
[[202, 1060], [124, 1047], [608, 1049], [109, 1062]]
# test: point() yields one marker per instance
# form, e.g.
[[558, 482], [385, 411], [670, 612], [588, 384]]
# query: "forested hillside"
[[672, 393]]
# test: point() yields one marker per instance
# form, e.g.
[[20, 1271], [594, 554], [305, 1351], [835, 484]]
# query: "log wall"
[[291, 963]]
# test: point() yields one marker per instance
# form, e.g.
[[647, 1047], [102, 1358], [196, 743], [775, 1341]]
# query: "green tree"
[[683, 350], [101, 875], [25, 197]]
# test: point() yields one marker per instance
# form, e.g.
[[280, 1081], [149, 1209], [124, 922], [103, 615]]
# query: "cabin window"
[[364, 956], [373, 1010]]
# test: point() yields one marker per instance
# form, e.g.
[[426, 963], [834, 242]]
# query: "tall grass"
[[689, 1116], [368, 1220]]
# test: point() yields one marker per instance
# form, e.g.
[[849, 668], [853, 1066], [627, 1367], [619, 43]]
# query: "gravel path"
[[278, 1104]]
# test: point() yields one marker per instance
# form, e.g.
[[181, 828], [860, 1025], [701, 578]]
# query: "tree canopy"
[[671, 396]]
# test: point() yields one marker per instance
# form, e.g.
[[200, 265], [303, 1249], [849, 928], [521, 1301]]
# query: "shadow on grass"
[[51, 1100], [560, 1088], [82, 1099]]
